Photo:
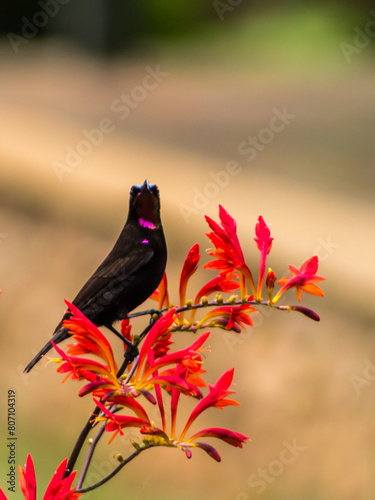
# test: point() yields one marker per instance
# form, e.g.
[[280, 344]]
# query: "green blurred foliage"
[[164, 18]]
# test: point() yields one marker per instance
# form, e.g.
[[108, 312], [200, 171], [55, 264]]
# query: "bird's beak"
[[145, 187], [146, 203]]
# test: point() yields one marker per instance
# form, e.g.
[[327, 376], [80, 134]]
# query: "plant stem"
[[113, 473], [100, 433], [90, 455]]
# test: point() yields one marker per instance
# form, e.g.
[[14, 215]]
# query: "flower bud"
[[219, 299], [232, 299], [270, 283]]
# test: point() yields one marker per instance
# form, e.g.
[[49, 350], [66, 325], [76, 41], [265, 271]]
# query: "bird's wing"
[[113, 272]]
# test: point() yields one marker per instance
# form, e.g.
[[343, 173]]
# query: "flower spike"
[[228, 251]]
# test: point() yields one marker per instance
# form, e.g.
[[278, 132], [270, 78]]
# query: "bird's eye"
[[154, 189], [135, 190]]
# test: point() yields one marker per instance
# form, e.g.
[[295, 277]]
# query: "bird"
[[129, 274]]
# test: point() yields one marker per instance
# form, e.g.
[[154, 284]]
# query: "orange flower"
[[229, 317], [301, 279]]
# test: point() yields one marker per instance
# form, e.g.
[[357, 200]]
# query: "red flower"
[[222, 283], [264, 243], [27, 479], [75, 367], [233, 438], [115, 423], [228, 250], [89, 339], [126, 330], [229, 317], [189, 268], [59, 488], [230, 437], [189, 357], [162, 346], [102, 378], [216, 397], [161, 327], [302, 279]]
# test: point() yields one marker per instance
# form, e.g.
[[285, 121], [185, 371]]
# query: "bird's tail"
[[60, 335]]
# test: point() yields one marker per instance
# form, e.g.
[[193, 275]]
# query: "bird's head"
[[145, 204]]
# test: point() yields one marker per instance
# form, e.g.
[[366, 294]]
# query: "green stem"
[[113, 473]]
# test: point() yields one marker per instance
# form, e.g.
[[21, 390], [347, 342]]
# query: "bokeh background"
[[220, 72]]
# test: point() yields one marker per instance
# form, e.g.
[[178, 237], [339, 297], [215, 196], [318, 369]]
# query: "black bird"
[[130, 273]]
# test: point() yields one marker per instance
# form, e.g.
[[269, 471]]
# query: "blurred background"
[[264, 107]]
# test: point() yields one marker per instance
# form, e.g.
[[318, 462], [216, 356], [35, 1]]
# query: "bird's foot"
[[131, 352], [151, 312]]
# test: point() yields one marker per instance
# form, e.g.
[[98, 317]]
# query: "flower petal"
[[230, 437], [27, 479]]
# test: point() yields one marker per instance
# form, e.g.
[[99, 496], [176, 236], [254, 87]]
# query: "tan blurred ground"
[[313, 184]]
